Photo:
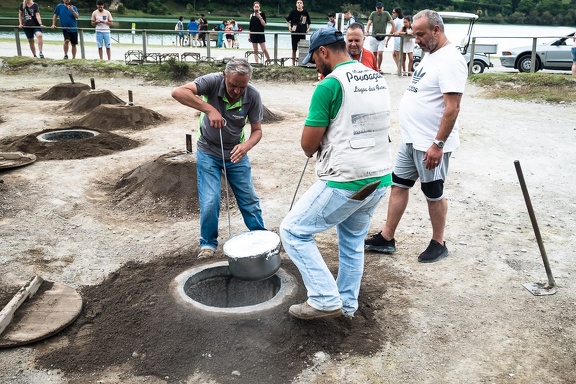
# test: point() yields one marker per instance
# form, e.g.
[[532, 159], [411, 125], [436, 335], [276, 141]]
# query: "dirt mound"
[[167, 185], [133, 320], [100, 145], [64, 91], [270, 117], [88, 100], [113, 117]]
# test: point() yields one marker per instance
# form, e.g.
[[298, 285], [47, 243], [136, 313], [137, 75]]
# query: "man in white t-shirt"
[[428, 113]]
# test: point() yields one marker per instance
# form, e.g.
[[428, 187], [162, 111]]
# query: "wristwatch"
[[439, 143]]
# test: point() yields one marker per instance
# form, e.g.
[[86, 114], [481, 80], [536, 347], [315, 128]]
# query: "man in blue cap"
[[347, 126]]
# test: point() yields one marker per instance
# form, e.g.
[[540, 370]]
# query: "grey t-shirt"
[[247, 109]]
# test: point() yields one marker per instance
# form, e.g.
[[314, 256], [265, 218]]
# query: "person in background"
[[193, 33], [68, 15], [29, 18], [379, 20], [398, 23], [428, 137], [235, 34], [203, 27], [349, 19], [226, 101], [102, 20], [574, 54], [256, 27], [348, 130], [298, 22], [220, 28], [180, 31], [407, 46], [229, 35], [355, 46], [331, 21]]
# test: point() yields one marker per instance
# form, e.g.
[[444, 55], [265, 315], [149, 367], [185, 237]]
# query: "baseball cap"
[[379, 5], [323, 36]]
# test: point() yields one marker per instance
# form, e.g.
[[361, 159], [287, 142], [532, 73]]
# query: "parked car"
[[554, 55], [481, 51]]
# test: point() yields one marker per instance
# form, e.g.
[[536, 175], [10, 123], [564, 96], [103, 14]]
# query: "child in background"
[[408, 45]]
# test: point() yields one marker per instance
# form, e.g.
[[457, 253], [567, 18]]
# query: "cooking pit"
[[66, 135], [212, 288]]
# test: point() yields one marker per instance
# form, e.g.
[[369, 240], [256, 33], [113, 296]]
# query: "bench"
[[192, 55], [165, 56], [258, 57], [134, 57]]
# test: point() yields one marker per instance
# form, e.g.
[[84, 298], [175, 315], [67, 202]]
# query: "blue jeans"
[[209, 174], [319, 209]]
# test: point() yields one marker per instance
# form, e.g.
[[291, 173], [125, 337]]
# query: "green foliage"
[[533, 12], [546, 87], [176, 70]]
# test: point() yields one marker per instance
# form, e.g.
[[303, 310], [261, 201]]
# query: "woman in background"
[[29, 19]]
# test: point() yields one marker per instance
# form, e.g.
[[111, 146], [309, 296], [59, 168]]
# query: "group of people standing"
[[194, 34], [347, 129], [30, 20]]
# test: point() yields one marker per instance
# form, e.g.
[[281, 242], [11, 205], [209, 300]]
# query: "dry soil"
[[115, 217]]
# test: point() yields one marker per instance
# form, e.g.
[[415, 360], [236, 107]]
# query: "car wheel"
[[524, 63], [477, 67]]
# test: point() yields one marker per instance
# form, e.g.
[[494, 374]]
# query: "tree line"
[[545, 12]]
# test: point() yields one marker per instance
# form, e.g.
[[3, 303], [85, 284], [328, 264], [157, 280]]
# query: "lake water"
[[161, 32]]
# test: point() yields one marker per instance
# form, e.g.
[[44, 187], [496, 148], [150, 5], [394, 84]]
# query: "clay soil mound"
[[88, 100], [113, 117], [166, 186], [64, 91], [270, 117], [100, 145]]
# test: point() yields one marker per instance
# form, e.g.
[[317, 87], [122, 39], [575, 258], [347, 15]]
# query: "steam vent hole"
[[213, 288], [67, 135]]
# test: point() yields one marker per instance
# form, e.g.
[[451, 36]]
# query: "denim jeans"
[[320, 208], [209, 174]]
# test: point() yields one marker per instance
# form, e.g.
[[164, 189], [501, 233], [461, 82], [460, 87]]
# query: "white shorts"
[[377, 46]]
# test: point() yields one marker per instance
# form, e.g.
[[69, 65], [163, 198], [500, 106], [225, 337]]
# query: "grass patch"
[[171, 72], [539, 87]]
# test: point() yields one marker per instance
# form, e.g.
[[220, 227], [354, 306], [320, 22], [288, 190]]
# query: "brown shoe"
[[306, 312], [205, 253]]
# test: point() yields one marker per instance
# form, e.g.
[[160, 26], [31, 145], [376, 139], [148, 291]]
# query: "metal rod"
[[551, 282], [71, 78], [130, 98], [299, 181], [225, 182], [92, 83]]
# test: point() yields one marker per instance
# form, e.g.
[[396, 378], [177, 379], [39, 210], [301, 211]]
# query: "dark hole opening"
[[216, 287], [67, 135]]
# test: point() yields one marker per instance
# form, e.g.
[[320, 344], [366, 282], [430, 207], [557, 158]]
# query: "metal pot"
[[253, 255]]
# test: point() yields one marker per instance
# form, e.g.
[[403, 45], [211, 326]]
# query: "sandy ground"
[[465, 319]]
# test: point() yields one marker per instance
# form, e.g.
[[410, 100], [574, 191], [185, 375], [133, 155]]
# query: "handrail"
[[212, 36]]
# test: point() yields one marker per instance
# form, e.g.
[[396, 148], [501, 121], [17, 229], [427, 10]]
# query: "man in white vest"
[[347, 127]]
